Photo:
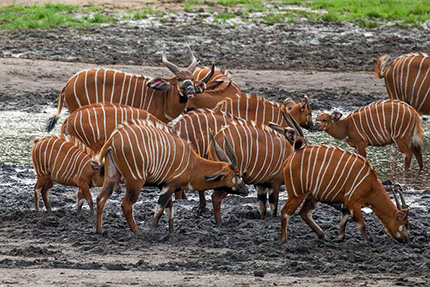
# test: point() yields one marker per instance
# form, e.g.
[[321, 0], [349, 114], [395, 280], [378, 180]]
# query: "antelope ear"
[[200, 87], [335, 116], [218, 176], [95, 166], [290, 134], [277, 128], [159, 84], [305, 102], [402, 214], [213, 84], [288, 103]]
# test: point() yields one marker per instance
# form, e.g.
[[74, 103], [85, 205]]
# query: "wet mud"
[[244, 244]]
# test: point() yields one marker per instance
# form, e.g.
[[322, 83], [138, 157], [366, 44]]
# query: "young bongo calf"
[[378, 124], [65, 161], [328, 174]]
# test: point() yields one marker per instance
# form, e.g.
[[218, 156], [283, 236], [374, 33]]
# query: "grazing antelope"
[[94, 124], [147, 153], [262, 111], [378, 124], [195, 126], [66, 161], [320, 173], [165, 98], [407, 78], [260, 152], [218, 88]]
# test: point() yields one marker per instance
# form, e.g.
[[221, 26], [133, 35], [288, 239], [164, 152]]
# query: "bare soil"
[[331, 63]]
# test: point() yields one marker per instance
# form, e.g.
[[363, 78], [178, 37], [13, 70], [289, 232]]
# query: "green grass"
[[224, 16], [49, 16], [371, 12], [365, 13]]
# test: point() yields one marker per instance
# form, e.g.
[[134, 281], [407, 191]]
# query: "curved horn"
[[402, 199], [172, 67], [231, 154], [295, 125], [220, 153], [193, 64], [394, 189], [210, 74]]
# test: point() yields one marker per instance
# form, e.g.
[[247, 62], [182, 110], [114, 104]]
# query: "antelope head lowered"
[[184, 81]]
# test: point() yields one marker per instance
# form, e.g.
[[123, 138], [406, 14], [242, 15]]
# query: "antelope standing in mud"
[[260, 152], [94, 124], [195, 126], [407, 78], [147, 153], [378, 124], [165, 98], [65, 161], [262, 111], [320, 173], [218, 88]]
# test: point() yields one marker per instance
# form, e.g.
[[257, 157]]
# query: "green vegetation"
[[224, 16], [372, 12], [49, 16], [365, 13]]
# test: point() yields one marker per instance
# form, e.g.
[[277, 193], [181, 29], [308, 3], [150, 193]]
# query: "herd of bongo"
[[198, 131]]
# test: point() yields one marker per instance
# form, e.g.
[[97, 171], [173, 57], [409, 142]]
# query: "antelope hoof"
[[137, 233], [201, 210], [322, 237], [341, 238]]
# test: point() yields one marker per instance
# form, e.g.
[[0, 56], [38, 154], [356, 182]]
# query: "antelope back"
[[64, 162], [143, 149], [329, 173], [196, 126], [381, 122], [95, 123], [260, 150], [408, 80], [219, 87], [115, 87]]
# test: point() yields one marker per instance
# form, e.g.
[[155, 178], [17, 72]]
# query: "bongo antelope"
[[147, 153], [378, 124], [219, 87], [320, 173], [262, 111], [165, 98], [195, 126], [94, 124], [407, 78], [260, 152], [65, 161]]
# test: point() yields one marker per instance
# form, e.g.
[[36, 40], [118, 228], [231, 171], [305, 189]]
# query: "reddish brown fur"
[[94, 124], [263, 111], [407, 78], [133, 152], [48, 155], [378, 124], [355, 185], [218, 88]]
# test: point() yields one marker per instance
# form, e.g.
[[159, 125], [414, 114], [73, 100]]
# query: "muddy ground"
[[331, 63]]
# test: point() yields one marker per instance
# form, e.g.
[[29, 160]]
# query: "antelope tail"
[[415, 140], [53, 120], [382, 65], [104, 151]]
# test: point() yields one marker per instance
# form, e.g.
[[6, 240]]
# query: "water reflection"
[[18, 129]]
